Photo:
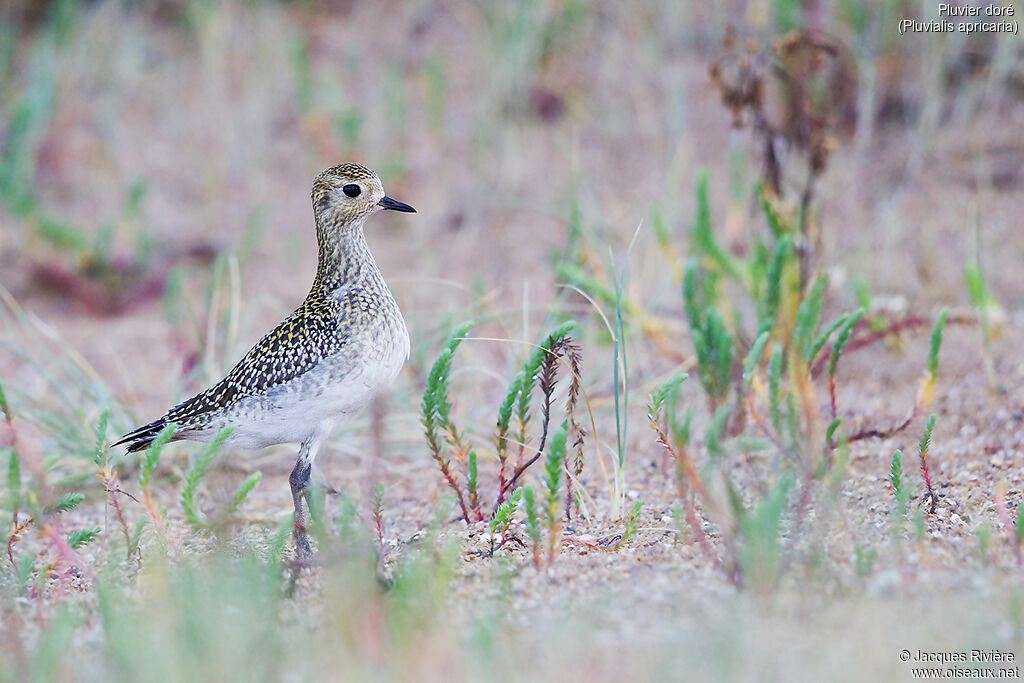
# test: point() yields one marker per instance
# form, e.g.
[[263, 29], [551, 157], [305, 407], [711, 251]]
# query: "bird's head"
[[348, 193]]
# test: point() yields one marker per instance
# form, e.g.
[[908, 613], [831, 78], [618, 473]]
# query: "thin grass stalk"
[[621, 425], [923, 446]]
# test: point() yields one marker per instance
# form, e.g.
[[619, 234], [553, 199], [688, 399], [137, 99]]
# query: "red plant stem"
[[505, 538], [522, 453], [475, 500], [884, 433], [927, 480], [696, 485], [894, 327], [502, 459], [684, 464], [832, 395], [66, 552], [698, 532], [15, 533], [666, 455], [462, 453], [110, 484], [443, 464], [553, 543], [474, 505], [453, 438], [870, 337]]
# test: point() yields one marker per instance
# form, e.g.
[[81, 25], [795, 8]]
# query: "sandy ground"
[[493, 190]]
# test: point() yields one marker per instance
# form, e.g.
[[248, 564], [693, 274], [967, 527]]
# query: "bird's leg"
[[299, 481]]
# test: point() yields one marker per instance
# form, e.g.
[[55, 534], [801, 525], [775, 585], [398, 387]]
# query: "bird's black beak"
[[395, 205]]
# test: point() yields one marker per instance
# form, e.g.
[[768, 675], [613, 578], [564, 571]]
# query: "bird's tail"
[[143, 436]]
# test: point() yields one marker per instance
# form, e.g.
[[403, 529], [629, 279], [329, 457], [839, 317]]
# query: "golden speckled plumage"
[[326, 360]]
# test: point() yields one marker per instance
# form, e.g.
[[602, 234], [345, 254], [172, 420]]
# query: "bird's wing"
[[292, 348]]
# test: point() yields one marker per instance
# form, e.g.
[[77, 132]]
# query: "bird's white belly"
[[334, 390]]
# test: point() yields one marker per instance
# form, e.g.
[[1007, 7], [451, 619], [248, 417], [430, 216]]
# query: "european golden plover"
[[325, 362]]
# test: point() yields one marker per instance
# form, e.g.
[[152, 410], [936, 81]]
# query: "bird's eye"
[[352, 190]]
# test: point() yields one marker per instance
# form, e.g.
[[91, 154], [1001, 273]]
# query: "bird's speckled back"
[[349, 323]]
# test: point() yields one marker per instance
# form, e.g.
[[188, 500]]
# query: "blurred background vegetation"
[[154, 221]]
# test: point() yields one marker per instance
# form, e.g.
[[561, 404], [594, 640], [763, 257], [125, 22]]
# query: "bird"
[[326, 361]]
